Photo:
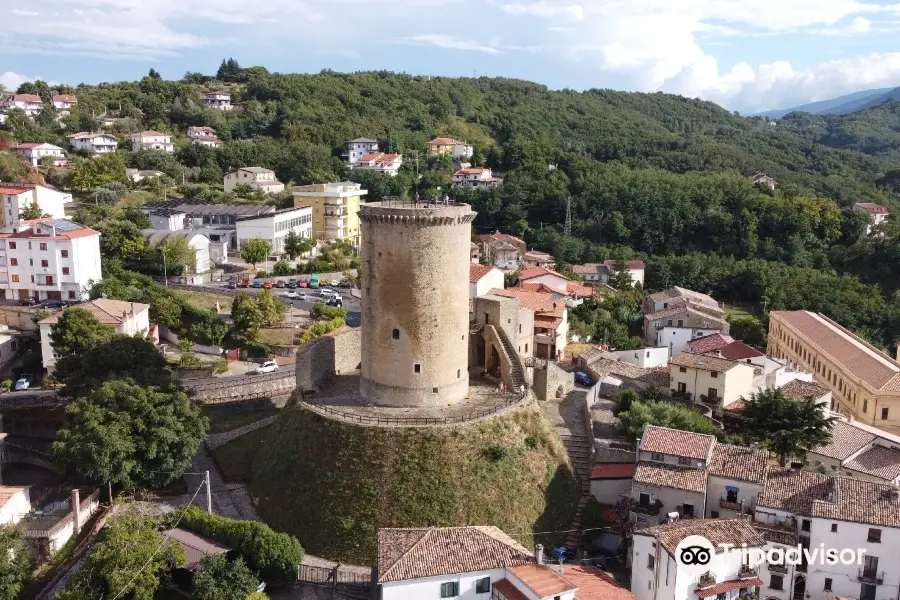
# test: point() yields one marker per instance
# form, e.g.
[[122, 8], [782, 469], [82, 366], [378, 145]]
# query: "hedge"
[[275, 555]]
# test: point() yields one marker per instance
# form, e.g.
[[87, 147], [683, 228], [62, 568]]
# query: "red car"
[[267, 284], [303, 283]]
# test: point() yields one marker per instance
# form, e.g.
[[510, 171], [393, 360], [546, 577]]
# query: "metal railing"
[[333, 576]]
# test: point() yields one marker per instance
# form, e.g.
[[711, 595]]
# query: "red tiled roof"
[[594, 584], [532, 272], [801, 390], [704, 362], [738, 350], [506, 587], [27, 98], [28, 145], [630, 264], [579, 289], [718, 531], [542, 304], [542, 580], [709, 343], [445, 141], [676, 442], [872, 208], [15, 190], [476, 272], [472, 171], [877, 461], [670, 476], [542, 287], [64, 98], [380, 157], [612, 471], [846, 440], [738, 462], [727, 586], [497, 236]]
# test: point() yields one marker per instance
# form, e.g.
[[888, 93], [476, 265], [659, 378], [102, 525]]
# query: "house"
[[677, 339], [195, 547], [678, 296], [61, 517], [714, 381], [30, 103], [63, 103], [139, 174], [15, 197], [864, 382], [210, 141], [274, 227], [758, 178], [381, 162], [335, 209], [206, 252], [358, 148], [600, 272], [507, 313], [611, 481], [152, 140], [475, 177], [94, 143], [441, 146], [533, 258], [198, 131], [551, 324], [483, 278], [693, 321], [858, 450], [258, 178], [474, 253], [128, 318], [15, 503], [217, 221], [502, 250], [35, 151], [658, 574], [218, 99], [48, 259], [877, 213], [550, 278]]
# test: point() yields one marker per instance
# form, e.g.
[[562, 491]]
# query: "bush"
[[6, 385], [282, 268], [624, 401], [274, 555], [496, 452]]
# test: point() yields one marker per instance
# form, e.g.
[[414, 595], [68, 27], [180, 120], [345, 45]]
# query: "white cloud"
[[450, 42], [11, 81]]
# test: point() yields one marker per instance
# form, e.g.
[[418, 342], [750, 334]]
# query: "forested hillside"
[[649, 175]]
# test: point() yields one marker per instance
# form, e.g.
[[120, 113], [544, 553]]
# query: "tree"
[[228, 70], [255, 251], [32, 211], [748, 328], [128, 560], [221, 579], [154, 74], [295, 246], [271, 308], [785, 426], [77, 330], [131, 435], [620, 277], [91, 173], [664, 414], [246, 313], [15, 561], [175, 250]]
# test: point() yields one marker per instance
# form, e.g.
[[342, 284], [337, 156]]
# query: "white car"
[[267, 367], [335, 283], [291, 294], [23, 384]]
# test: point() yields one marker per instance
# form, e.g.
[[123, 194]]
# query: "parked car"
[[335, 301], [23, 384], [335, 283], [267, 367], [267, 284], [583, 378], [345, 283], [257, 283], [245, 282], [290, 294], [232, 285], [28, 302], [303, 283], [53, 303], [292, 284], [303, 297], [280, 283]]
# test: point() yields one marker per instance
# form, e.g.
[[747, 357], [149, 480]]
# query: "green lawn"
[[239, 419], [236, 458], [743, 310]]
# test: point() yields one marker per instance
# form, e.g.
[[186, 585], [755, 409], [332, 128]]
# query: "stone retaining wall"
[[244, 388], [320, 360], [551, 379], [219, 439]]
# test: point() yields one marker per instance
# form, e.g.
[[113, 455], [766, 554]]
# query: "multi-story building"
[[218, 99], [858, 450], [200, 131], [30, 103], [551, 321], [877, 213], [442, 146], [274, 227], [864, 382], [35, 151], [48, 259], [600, 272], [128, 318], [210, 141], [484, 278], [95, 143], [152, 140], [15, 197], [715, 381], [475, 177], [335, 209], [63, 103], [502, 250], [683, 309], [381, 162], [258, 178], [358, 148]]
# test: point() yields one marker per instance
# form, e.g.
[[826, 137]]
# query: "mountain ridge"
[[839, 105]]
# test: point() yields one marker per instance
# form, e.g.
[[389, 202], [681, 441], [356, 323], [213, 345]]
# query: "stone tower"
[[415, 302]]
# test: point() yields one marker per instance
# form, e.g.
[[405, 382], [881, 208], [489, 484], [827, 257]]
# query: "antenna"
[[568, 230]]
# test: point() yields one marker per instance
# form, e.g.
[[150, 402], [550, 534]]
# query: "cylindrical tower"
[[415, 303]]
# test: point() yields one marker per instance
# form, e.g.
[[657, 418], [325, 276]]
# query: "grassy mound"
[[334, 484]]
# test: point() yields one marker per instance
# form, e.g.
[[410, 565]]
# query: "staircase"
[[581, 452], [515, 363]]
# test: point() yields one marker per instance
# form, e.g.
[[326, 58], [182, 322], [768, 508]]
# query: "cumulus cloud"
[[11, 81]]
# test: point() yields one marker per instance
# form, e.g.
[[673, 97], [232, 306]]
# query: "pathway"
[[228, 499]]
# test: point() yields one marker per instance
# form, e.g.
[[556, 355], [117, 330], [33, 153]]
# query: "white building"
[[200, 131], [678, 339], [206, 253], [273, 227], [358, 148], [258, 178], [95, 143], [48, 259], [63, 103], [856, 450], [35, 151], [877, 213], [645, 358], [600, 272], [482, 279], [30, 103], [208, 141], [381, 162], [475, 177], [14, 198], [152, 140], [15, 503], [128, 318], [218, 99], [714, 381]]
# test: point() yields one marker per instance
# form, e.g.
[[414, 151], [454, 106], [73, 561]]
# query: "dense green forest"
[[646, 175]]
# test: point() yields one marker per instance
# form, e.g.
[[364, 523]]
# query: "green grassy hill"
[[334, 484]]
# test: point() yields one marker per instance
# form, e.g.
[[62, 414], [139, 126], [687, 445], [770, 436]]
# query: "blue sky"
[[747, 55]]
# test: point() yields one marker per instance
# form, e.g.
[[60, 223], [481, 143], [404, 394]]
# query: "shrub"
[[282, 268], [496, 452], [532, 442], [624, 401], [6, 385], [274, 555]]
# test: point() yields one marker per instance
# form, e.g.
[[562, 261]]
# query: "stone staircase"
[[581, 452], [515, 364]]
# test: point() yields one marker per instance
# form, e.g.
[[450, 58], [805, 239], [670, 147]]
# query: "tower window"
[[434, 390], [458, 373], [417, 367], [395, 334]]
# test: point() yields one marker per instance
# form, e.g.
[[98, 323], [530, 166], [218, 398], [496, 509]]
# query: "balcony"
[[776, 568], [647, 509], [332, 201], [713, 400], [870, 576], [735, 506], [335, 222], [544, 338], [748, 572], [706, 580]]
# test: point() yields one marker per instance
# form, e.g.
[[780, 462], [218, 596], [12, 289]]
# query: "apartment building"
[[381, 162], [475, 177], [694, 313], [335, 209], [877, 213], [30, 103], [258, 178], [864, 382], [15, 197], [218, 99], [48, 259], [502, 250], [358, 148], [35, 151], [441, 146], [95, 143], [274, 227], [551, 321], [152, 140], [714, 381]]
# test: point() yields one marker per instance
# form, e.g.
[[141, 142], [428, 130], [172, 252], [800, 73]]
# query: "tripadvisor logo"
[[695, 553]]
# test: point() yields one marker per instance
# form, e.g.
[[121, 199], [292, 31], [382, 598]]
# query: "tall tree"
[[295, 246], [15, 561], [32, 211], [121, 357], [255, 251], [620, 277], [221, 579], [784, 426], [77, 330]]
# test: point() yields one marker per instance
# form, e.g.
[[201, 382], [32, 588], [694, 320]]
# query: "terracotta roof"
[[676, 442], [717, 531], [728, 586], [670, 476], [860, 502], [540, 303], [613, 471], [497, 236], [532, 272], [738, 350], [196, 547], [872, 208], [542, 580], [709, 343], [878, 461], [801, 390], [32, 145], [413, 553], [684, 309], [847, 351], [658, 377], [27, 98], [15, 190], [380, 158], [64, 98], [685, 294], [542, 287], [795, 491], [446, 141], [601, 367], [508, 589], [579, 289], [476, 272], [704, 362], [72, 231], [594, 584], [846, 440], [111, 312], [738, 462], [472, 171]]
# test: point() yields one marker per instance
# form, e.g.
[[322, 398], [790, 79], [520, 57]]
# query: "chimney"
[[539, 554], [76, 510]]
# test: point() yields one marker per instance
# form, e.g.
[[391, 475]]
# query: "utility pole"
[[208, 495], [165, 267], [568, 229]]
